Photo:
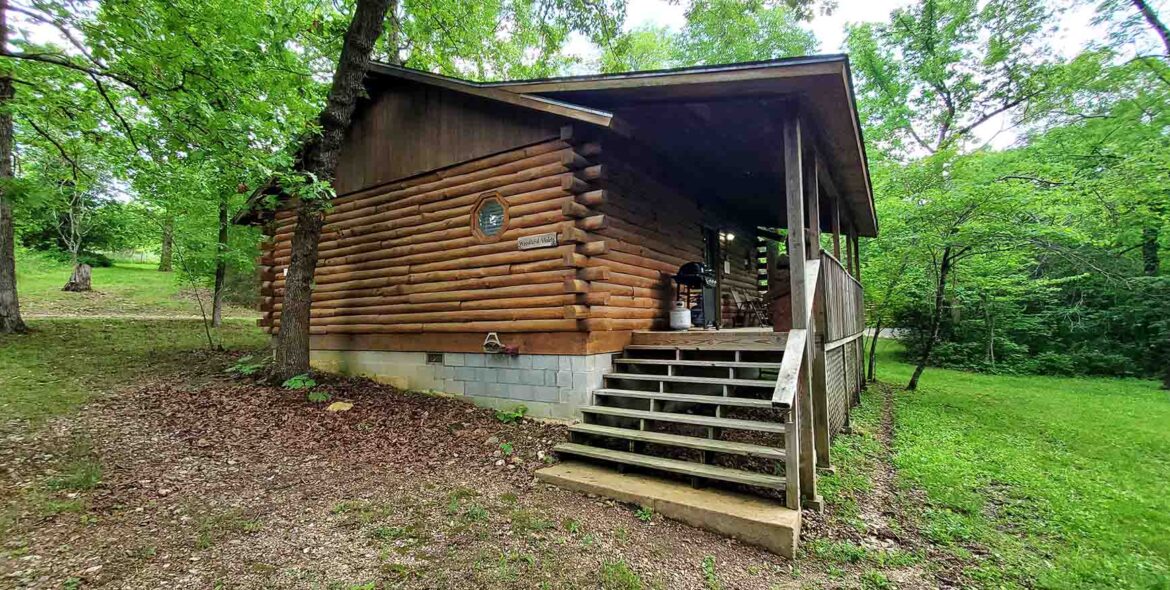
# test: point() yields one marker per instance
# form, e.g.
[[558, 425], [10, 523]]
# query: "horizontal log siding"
[[402, 258], [651, 230]]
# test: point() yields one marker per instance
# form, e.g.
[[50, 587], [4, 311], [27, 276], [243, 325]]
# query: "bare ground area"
[[196, 480]]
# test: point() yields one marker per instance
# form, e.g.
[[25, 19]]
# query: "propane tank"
[[680, 317]]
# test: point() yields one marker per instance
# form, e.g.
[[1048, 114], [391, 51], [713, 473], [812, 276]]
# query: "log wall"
[[409, 128], [653, 227], [402, 258]]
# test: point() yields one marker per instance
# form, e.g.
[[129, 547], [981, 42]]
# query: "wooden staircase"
[[692, 404]]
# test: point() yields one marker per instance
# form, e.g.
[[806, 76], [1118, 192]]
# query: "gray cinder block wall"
[[550, 385]]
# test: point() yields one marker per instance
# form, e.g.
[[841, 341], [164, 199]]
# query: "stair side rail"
[[796, 347]]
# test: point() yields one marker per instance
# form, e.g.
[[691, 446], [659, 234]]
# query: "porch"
[[726, 429]]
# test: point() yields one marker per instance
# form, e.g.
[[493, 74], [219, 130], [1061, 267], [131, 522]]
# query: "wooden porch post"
[[815, 427], [835, 203], [848, 262], [856, 255], [812, 201], [794, 202]]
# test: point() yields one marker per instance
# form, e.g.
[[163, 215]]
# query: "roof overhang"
[[820, 86], [744, 98]]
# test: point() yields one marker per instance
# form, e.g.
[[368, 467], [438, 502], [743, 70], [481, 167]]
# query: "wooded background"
[[143, 126]]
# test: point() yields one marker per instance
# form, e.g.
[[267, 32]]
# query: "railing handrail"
[[788, 379]]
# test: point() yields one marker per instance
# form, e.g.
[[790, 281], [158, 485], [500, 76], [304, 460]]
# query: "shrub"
[[1093, 362], [513, 415], [1052, 363]]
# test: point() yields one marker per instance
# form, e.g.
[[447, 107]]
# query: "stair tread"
[[685, 379], [674, 465], [743, 402], [677, 440], [776, 427], [697, 363]]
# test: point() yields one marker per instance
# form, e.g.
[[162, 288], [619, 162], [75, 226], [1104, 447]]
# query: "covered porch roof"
[[720, 126]]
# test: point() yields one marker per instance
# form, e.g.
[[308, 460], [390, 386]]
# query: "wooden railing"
[[820, 370], [843, 303], [837, 373], [787, 381], [790, 396]]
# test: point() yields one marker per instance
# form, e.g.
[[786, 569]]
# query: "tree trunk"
[[877, 333], [10, 320], [1150, 261], [935, 319], [80, 279], [168, 245], [221, 247], [1154, 22], [319, 158]]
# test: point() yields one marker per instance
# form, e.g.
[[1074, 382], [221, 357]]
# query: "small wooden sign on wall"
[[548, 240]]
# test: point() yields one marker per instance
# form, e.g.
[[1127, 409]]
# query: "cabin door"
[[713, 258]]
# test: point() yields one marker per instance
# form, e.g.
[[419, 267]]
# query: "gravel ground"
[[198, 480]]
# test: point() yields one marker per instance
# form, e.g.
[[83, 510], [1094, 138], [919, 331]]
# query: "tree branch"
[[61, 149], [1030, 179], [113, 109]]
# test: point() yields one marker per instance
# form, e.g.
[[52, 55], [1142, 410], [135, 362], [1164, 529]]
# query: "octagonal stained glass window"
[[490, 217]]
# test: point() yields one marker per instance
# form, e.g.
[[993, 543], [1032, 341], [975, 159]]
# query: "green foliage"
[[524, 521], [716, 32], [246, 365], [617, 575], [62, 364], [82, 470], [1024, 259], [710, 578], [875, 580], [506, 448], [644, 513], [513, 415], [317, 396], [302, 381], [572, 525], [730, 31], [475, 513]]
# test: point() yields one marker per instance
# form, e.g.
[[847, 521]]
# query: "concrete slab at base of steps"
[[753, 520]]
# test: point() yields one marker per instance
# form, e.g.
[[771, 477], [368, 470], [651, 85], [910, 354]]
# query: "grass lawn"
[[1028, 481], [127, 288], [1063, 481], [62, 363]]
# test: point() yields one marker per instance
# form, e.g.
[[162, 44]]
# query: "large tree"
[[932, 80], [10, 320], [316, 164], [481, 41], [716, 32]]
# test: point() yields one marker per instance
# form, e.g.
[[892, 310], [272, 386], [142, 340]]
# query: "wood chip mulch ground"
[[207, 481]]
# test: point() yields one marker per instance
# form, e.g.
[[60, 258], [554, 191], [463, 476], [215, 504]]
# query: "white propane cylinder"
[[680, 317]]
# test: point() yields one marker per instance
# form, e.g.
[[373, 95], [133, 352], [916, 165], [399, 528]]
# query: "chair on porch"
[[751, 308]]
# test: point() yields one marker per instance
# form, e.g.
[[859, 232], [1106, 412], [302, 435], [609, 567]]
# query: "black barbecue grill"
[[696, 275]]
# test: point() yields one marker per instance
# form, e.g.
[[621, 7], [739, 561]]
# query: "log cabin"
[[520, 243]]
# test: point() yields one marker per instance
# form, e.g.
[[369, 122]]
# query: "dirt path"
[[889, 512], [199, 481]]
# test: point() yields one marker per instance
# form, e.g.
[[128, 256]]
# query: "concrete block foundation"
[[550, 385]]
